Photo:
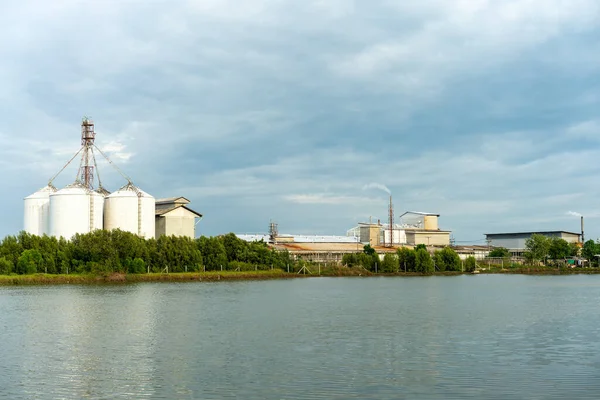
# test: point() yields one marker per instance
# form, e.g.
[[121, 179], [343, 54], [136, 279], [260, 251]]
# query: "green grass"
[[313, 271]]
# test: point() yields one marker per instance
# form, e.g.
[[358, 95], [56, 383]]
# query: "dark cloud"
[[484, 111]]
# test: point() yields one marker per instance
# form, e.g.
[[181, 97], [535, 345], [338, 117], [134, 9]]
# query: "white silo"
[[130, 209], [37, 212], [75, 209]]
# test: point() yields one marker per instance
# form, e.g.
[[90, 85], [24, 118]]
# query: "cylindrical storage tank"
[[37, 212], [75, 209], [130, 209]]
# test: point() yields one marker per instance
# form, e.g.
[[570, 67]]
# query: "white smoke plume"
[[574, 214], [379, 186]]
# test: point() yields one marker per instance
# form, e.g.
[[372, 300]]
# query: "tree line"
[[551, 250], [118, 251], [410, 260]]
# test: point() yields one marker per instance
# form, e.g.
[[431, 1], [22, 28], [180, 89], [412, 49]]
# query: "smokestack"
[[582, 232], [391, 210]]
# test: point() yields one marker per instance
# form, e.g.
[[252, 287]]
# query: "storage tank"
[[37, 212], [130, 209], [75, 209]]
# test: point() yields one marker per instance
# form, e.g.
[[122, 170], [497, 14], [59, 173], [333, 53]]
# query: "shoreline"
[[215, 276]]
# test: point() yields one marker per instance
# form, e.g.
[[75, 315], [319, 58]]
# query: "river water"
[[481, 337]]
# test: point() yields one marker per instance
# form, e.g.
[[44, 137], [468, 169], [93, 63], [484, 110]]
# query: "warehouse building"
[[515, 241], [173, 217]]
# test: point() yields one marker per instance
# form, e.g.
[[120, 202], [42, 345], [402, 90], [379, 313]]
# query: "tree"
[[589, 251], [421, 246], [447, 259], [559, 248], [213, 252], [389, 263], [406, 259], [500, 252], [29, 262], [573, 249], [6, 266], [424, 263], [368, 250], [538, 247]]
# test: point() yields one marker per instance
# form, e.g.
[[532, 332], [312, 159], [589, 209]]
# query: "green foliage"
[[6, 266], [589, 251], [499, 252], [424, 263], [137, 266], [574, 250], [406, 259], [470, 264], [368, 262], [350, 259], [420, 246], [105, 252], [368, 250], [538, 247], [559, 248], [29, 262], [389, 263], [447, 260]]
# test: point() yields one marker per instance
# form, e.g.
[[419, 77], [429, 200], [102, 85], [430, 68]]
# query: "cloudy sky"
[[485, 111]]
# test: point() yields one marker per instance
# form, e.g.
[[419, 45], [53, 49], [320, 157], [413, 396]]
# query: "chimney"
[[582, 232]]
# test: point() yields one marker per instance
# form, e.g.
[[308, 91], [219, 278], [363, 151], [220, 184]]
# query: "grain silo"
[[75, 209], [80, 206], [37, 212], [130, 209]]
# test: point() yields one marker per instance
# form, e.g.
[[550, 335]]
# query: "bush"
[[389, 263], [424, 263], [406, 259], [350, 259], [470, 264], [137, 266], [447, 260]]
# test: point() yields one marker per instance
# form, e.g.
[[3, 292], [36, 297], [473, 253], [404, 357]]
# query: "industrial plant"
[[86, 205], [414, 228]]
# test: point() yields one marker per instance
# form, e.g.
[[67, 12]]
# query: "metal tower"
[[88, 136]]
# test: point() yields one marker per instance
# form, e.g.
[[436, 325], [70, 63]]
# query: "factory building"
[[416, 228], [173, 217], [515, 241], [85, 205]]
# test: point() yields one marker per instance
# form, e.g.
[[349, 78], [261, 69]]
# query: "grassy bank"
[[536, 270], [49, 279]]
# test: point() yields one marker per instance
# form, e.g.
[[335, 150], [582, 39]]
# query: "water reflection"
[[489, 337]]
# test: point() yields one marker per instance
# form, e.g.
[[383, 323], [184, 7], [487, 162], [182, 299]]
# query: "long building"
[[515, 241]]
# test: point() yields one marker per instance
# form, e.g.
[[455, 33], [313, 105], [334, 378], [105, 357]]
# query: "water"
[[493, 337]]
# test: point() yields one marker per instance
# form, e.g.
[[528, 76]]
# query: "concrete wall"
[[179, 222], [428, 238]]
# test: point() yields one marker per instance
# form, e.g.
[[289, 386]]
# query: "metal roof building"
[[515, 241], [175, 218]]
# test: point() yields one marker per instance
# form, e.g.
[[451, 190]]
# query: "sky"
[[484, 111]]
